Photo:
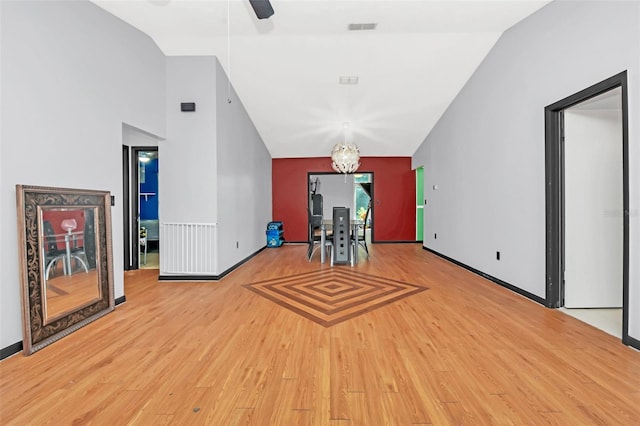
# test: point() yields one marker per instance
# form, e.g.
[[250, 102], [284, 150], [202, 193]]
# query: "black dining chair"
[[362, 230], [314, 234]]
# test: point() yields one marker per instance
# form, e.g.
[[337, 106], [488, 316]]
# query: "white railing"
[[188, 248]]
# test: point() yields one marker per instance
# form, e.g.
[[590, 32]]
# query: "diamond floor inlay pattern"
[[329, 297]]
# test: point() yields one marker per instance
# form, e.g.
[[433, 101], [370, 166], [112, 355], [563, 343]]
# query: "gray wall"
[[71, 75], [244, 179], [188, 168], [486, 154]]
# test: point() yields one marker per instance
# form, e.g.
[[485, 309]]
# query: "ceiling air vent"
[[363, 27], [349, 79]]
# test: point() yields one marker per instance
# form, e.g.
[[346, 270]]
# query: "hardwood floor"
[[331, 296], [465, 351]]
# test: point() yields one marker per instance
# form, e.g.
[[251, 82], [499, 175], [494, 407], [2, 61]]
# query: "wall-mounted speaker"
[[262, 8], [188, 106]]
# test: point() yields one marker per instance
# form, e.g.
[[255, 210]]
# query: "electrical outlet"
[[497, 255], [435, 236], [237, 244]]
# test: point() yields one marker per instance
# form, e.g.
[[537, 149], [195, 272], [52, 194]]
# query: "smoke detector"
[[363, 26], [349, 79]]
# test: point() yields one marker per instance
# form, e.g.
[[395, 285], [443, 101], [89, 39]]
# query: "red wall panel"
[[394, 192]]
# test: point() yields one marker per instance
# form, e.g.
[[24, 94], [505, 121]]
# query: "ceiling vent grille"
[[349, 79], [363, 27]]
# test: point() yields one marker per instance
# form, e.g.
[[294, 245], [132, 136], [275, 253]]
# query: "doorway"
[[587, 202], [140, 188], [145, 186], [126, 207], [354, 191]]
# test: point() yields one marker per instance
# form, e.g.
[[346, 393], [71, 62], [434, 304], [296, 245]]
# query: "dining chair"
[[314, 235], [362, 230], [143, 242]]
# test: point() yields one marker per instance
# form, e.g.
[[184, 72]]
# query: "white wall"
[[593, 208], [486, 153], [187, 177], [244, 179], [71, 74]]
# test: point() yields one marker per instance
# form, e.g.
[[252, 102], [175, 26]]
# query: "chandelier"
[[345, 156]]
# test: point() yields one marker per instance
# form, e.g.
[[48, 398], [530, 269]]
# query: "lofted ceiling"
[[287, 69]]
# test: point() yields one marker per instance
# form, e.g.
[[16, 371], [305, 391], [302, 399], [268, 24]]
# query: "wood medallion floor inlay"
[[329, 297]]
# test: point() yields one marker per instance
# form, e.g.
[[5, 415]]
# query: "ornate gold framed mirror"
[[66, 261]]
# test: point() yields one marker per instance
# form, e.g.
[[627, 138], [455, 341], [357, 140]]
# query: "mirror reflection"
[[69, 252]]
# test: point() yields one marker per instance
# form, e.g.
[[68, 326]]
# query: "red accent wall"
[[394, 193]]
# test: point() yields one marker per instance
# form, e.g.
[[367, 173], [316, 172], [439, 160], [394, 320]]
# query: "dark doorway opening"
[[126, 208], [144, 234]]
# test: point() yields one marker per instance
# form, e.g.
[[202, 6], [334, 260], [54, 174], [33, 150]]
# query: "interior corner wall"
[[71, 74], [394, 193], [486, 153], [132, 136], [244, 179]]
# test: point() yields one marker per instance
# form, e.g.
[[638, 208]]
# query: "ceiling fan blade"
[[262, 8]]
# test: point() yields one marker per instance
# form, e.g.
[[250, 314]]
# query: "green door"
[[419, 203]]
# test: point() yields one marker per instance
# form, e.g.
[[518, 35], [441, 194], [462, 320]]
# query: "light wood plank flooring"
[[465, 351]]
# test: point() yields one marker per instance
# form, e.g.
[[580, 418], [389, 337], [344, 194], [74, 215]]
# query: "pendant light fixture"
[[345, 156]]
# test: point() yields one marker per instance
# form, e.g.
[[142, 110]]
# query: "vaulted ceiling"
[[287, 69]]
